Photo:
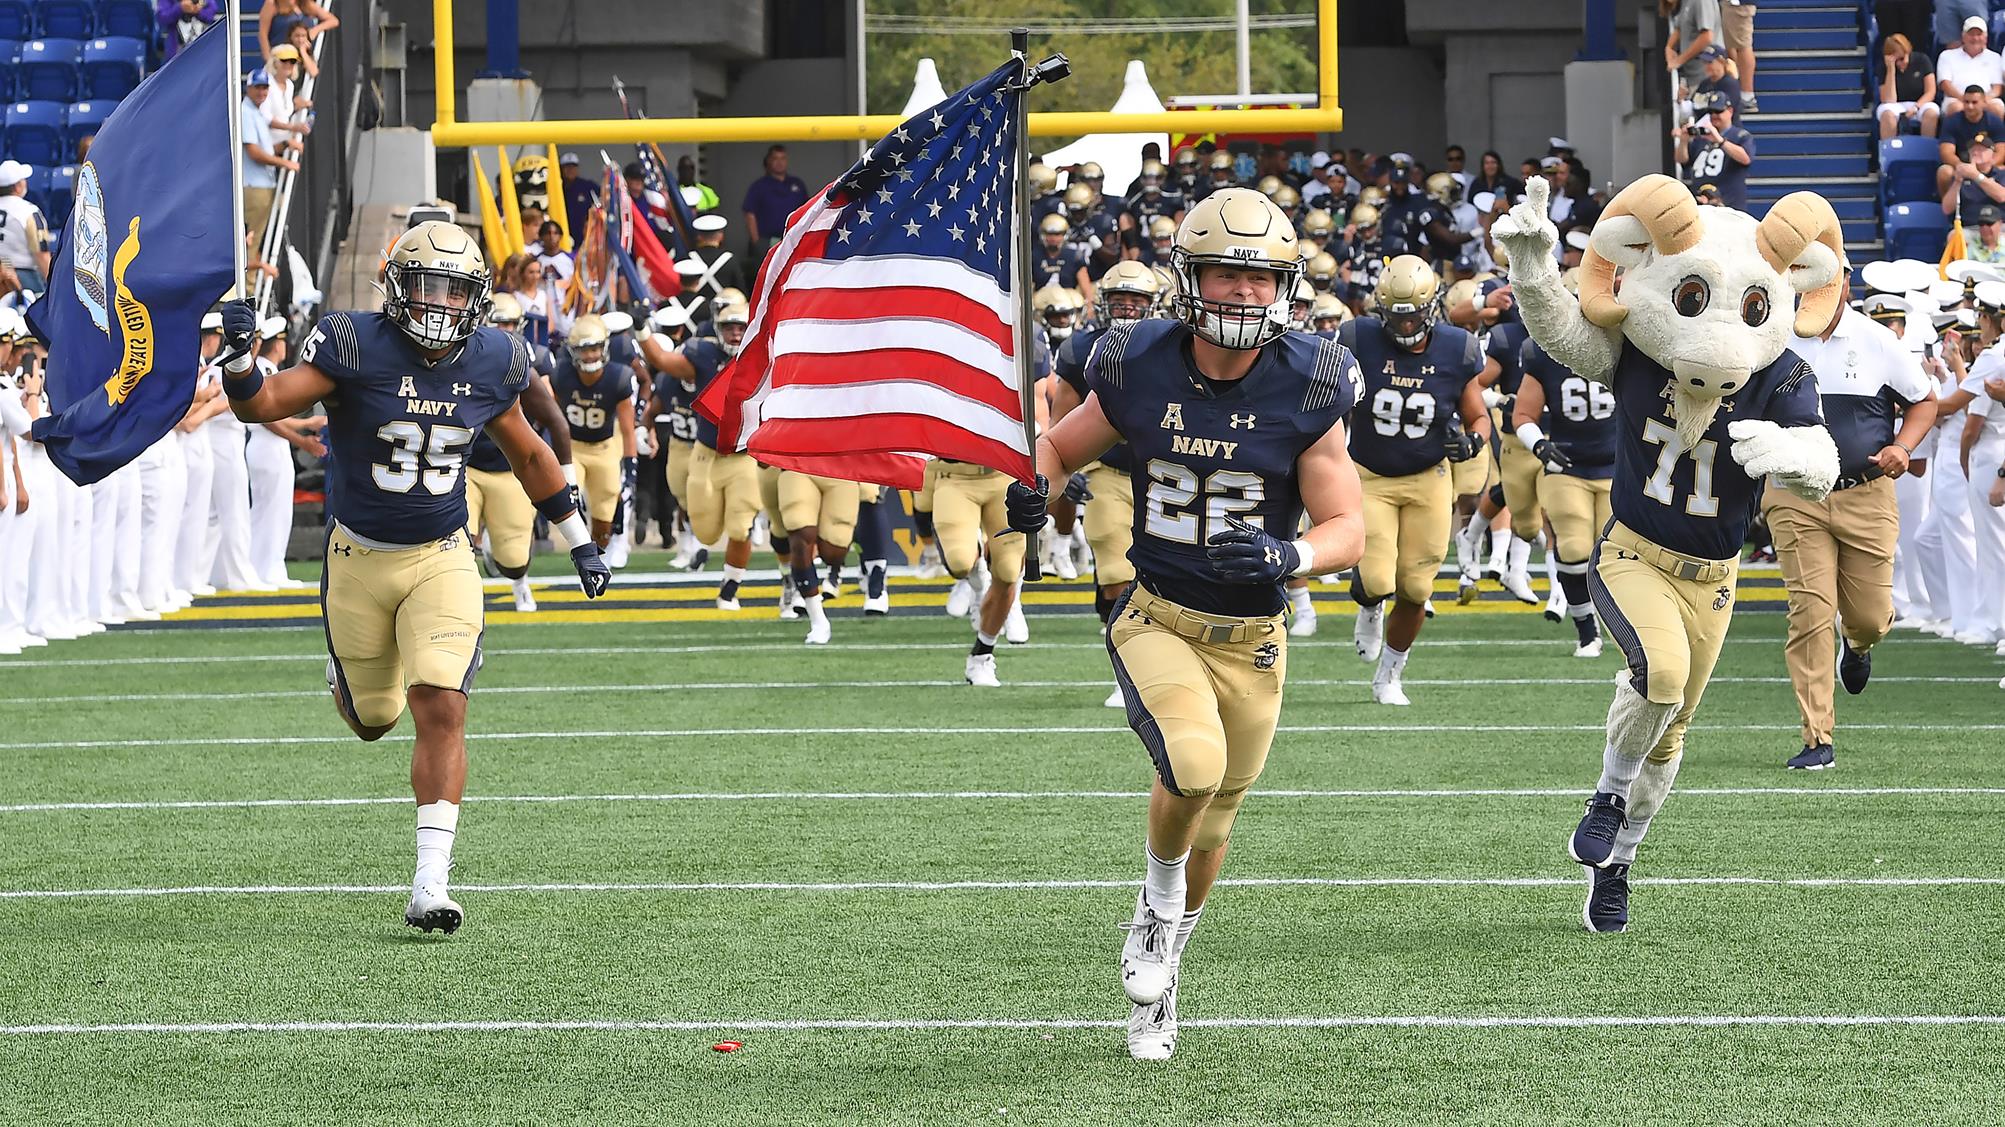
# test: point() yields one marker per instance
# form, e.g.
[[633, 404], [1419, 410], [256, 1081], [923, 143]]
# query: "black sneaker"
[[1593, 839], [1813, 759], [1607, 907], [1854, 668], [698, 560]]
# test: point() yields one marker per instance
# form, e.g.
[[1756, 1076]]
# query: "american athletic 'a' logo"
[[1245, 420], [408, 387], [1173, 416]]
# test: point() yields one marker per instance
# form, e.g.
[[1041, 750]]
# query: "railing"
[[272, 243]]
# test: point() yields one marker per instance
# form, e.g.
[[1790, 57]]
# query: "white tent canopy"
[[926, 90], [1119, 154]]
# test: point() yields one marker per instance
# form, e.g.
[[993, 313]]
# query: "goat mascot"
[[1696, 352]]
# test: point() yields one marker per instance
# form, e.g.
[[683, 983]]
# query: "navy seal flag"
[[149, 247]]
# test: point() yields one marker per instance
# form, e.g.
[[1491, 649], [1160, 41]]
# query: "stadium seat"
[[47, 71], [10, 52], [62, 196], [38, 189], [132, 19], [17, 20], [82, 120], [112, 67], [33, 133], [1916, 230], [65, 19], [1907, 169]]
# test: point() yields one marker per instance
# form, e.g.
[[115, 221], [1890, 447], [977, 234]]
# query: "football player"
[[723, 485], [820, 514], [1151, 201], [1235, 427], [1057, 263], [496, 505], [1362, 256], [1578, 459], [1327, 315], [1422, 412], [672, 406], [406, 390], [598, 402]]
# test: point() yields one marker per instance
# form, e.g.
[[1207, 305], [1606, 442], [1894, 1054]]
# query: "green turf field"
[[911, 917]]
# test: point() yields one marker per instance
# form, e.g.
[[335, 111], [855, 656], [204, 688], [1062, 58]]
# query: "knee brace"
[[1497, 495], [782, 544], [1359, 596], [923, 521], [1103, 605], [1214, 827]]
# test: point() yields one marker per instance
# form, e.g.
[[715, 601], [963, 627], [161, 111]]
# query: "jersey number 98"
[[443, 449], [585, 418], [1393, 413]]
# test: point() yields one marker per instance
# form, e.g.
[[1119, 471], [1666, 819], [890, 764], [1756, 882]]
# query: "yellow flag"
[[1953, 249], [511, 209], [498, 246], [559, 210]]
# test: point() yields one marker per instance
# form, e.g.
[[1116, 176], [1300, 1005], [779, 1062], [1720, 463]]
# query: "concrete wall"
[[772, 87], [1393, 101]]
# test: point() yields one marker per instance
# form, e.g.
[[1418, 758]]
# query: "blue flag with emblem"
[[149, 247]]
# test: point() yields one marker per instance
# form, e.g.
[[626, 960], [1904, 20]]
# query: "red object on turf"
[[728, 1046]]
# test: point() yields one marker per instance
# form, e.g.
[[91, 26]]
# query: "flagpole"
[[1019, 244], [232, 94]]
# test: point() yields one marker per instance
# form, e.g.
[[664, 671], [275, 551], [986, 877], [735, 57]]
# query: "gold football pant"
[[599, 475], [1837, 558], [1578, 510], [1471, 477], [1521, 470], [1110, 524], [679, 455], [769, 497], [1669, 612], [826, 504], [723, 494], [399, 617], [1204, 694], [967, 505], [1406, 532], [499, 501]]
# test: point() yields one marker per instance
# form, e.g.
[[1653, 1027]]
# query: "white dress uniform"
[[230, 499], [1987, 596], [1949, 570], [13, 530], [270, 461], [163, 483], [193, 545], [1912, 494]]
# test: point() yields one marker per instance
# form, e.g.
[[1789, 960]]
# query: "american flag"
[[883, 324]]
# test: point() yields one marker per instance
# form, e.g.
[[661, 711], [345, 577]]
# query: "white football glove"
[[1527, 231], [1492, 398]]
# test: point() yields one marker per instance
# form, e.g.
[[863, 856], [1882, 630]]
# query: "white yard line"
[[963, 796], [972, 886], [913, 1025]]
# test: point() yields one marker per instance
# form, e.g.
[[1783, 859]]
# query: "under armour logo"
[[341, 550], [1242, 421], [462, 389], [1173, 417]]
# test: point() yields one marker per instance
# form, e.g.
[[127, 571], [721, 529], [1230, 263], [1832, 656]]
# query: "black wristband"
[[556, 506]]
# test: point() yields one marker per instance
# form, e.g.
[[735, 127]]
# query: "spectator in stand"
[[1737, 29], [1490, 178], [24, 235], [1695, 25], [1452, 161], [283, 103], [1989, 245], [769, 201], [278, 17], [543, 316], [301, 38], [1952, 19], [1974, 180], [1714, 58], [1713, 150], [262, 162], [1529, 169], [580, 193], [549, 250], [1974, 126], [706, 196], [1907, 90], [1970, 63], [181, 21]]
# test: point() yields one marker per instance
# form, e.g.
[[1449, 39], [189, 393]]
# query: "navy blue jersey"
[[592, 408], [1502, 344], [1099, 229], [1580, 414], [486, 454], [709, 358], [678, 401], [1402, 419], [1045, 205], [1145, 207], [1697, 502], [1070, 364], [399, 427], [1057, 269], [1203, 450]]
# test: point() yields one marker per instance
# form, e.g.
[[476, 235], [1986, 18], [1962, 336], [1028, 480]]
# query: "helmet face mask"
[[436, 285], [1407, 300], [587, 343], [1127, 293], [1239, 243]]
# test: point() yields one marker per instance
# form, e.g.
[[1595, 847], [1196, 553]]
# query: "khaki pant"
[[397, 618], [1837, 558], [599, 476], [1521, 471], [1471, 477], [968, 505], [498, 501], [723, 494], [769, 497], [679, 455], [1737, 26], [1110, 524], [1669, 613], [1204, 694], [1406, 532], [826, 504], [1578, 510]]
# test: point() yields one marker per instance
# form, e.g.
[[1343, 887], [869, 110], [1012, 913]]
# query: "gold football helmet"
[[1221, 161], [436, 285], [505, 312], [1078, 200], [1299, 304], [730, 319], [1364, 218], [1269, 185], [1322, 271], [1186, 161], [1239, 228], [1043, 181], [1151, 175], [1288, 200], [1319, 224], [1053, 224], [1407, 299], [587, 342], [1092, 173], [1444, 189], [1374, 196], [1127, 292], [1056, 309]]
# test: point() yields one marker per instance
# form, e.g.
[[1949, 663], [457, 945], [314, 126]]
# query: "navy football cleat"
[[1854, 668], [1593, 840], [1607, 907], [1813, 758]]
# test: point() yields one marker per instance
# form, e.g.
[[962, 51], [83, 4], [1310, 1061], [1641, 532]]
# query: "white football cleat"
[[727, 604], [1152, 1030], [2000, 651], [617, 551], [880, 604], [1556, 605], [960, 599], [981, 671], [1146, 974], [930, 566], [1116, 699], [203, 590], [1971, 638], [431, 910], [818, 633], [979, 578], [1389, 692], [1588, 649], [1016, 631], [1519, 585], [1304, 625], [790, 608], [1062, 563], [1369, 631], [525, 599]]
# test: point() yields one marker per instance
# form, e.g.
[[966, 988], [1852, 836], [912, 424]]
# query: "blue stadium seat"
[[1916, 230], [83, 120], [10, 51], [132, 19], [65, 19], [17, 20], [112, 67], [38, 189], [33, 133], [48, 70], [1907, 169], [62, 195]]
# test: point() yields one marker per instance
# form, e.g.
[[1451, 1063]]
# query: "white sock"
[[1298, 600], [988, 640], [1552, 567], [1164, 889], [521, 585], [437, 823], [1184, 929], [1618, 772], [1391, 663], [734, 574], [816, 617], [1500, 546], [1521, 553]]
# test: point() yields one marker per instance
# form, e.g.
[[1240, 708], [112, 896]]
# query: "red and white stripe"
[[859, 368]]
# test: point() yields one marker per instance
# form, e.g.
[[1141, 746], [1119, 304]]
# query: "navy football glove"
[[593, 574], [1462, 446], [1026, 506], [629, 472], [1246, 554], [1075, 489], [1548, 452], [240, 328]]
